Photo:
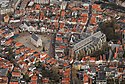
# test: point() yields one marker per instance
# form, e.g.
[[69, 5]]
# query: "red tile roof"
[[62, 47], [18, 44], [0, 58], [45, 80], [96, 7], [33, 82], [115, 55], [37, 7], [93, 58], [65, 64], [66, 79], [16, 74], [93, 20], [37, 55], [62, 25], [9, 42], [86, 7], [13, 82], [84, 19], [34, 78], [85, 78], [63, 13], [58, 38], [84, 15], [73, 20]]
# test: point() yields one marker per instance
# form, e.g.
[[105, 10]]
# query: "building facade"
[[35, 40], [42, 1]]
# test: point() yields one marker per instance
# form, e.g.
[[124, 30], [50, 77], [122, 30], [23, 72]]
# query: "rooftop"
[[3, 72]]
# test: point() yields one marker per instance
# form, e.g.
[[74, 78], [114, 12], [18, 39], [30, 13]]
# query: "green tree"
[[9, 75], [43, 49], [26, 77], [54, 74], [10, 54], [38, 64], [108, 28], [124, 54]]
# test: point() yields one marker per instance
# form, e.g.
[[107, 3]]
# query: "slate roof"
[[35, 37], [101, 75], [3, 72]]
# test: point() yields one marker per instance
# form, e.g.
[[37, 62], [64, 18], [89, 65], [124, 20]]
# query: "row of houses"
[[30, 28], [25, 60], [63, 18], [21, 67], [5, 68], [88, 42]]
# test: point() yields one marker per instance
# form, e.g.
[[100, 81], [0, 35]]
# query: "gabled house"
[[35, 40], [13, 83], [24, 27], [6, 19], [101, 77], [16, 76], [63, 5], [3, 76], [42, 1]]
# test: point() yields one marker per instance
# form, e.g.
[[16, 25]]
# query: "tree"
[[26, 77], [9, 75], [104, 50], [55, 77], [45, 72], [55, 69], [43, 49], [124, 54], [54, 74], [10, 54], [38, 64], [109, 27]]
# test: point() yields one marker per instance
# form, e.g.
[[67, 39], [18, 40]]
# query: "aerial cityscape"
[[62, 41]]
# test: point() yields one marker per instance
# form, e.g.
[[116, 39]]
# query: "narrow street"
[[89, 17], [52, 45]]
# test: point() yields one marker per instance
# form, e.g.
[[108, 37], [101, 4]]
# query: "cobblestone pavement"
[[25, 39]]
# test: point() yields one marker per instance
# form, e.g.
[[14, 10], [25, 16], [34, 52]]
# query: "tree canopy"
[[108, 28]]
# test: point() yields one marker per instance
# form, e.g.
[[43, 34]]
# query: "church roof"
[[35, 37]]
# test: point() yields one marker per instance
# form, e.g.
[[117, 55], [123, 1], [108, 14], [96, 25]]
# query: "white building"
[[7, 10], [63, 5], [43, 29], [24, 27], [42, 1], [16, 3], [35, 40], [31, 3], [4, 3]]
